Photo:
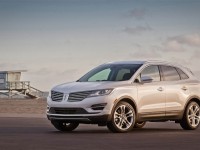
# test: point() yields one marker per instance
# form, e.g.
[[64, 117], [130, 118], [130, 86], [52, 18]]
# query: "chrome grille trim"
[[78, 96], [56, 96]]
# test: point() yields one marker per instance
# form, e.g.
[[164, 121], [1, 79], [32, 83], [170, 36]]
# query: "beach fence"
[[11, 86]]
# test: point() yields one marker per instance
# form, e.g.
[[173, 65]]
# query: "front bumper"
[[81, 111], [81, 119]]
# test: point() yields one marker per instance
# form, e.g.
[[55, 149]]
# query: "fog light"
[[48, 108], [98, 106]]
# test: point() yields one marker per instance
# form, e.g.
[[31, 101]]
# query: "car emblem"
[[66, 97]]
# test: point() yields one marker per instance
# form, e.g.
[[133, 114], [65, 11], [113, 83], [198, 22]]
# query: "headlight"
[[100, 92]]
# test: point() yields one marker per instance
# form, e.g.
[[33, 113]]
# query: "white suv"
[[124, 95]]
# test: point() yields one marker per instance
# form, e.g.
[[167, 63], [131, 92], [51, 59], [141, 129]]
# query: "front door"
[[151, 95]]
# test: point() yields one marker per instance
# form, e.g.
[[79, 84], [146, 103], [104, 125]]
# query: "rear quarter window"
[[182, 74]]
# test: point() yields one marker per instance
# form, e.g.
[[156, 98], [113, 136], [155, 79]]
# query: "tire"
[[191, 118], [122, 119], [139, 124], [64, 126]]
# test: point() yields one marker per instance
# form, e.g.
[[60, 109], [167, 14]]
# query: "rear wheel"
[[139, 124], [64, 126], [191, 118], [123, 118]]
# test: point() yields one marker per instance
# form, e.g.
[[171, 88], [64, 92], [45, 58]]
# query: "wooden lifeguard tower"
[[10, 85]]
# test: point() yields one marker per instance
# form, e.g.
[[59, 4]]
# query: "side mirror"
[[146, 79]]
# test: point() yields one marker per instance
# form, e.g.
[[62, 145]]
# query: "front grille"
[[55, 110], [56, 96], [78, 96]]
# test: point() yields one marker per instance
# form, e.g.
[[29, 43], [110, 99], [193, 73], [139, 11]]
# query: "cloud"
[[136, 13], [137, 30], [140, 53], [181, 43], [189, 40], [195, 55], [179, 60], [173, 45]]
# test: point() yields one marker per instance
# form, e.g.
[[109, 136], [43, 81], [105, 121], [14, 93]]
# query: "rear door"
[[175, 88]]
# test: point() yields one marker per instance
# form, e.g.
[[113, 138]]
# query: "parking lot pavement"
[[38, 134]]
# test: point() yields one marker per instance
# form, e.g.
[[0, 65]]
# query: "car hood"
[[87, 86]]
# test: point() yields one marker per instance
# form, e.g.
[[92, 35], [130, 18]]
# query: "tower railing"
[[23, 86]]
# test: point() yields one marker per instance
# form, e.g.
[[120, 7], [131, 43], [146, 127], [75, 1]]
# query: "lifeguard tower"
[[10, 85]]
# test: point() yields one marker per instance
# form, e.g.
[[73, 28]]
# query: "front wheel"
[[191, 118], [123, 118], [64, 126]]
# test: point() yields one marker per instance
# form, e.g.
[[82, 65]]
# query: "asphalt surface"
[[38, 134]]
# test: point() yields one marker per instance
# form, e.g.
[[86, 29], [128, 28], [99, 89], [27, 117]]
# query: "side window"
[[170, 73], [100, 76], [123, 74], [182, 74], [151, 71]]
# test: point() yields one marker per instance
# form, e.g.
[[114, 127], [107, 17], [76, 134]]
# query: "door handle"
[[184, 88], [160, 89]]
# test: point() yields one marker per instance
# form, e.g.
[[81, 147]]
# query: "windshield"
[[111, 72]]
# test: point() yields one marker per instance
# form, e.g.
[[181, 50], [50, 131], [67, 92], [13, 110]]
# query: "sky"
[[58, 41]]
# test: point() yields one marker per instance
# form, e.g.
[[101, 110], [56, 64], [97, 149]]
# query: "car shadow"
[[134, 131]]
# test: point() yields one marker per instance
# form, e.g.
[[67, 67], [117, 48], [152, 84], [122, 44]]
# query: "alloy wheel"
[[123, 117], [194, 115]]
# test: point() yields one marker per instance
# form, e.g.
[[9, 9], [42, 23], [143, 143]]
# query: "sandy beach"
[[23, 108]]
